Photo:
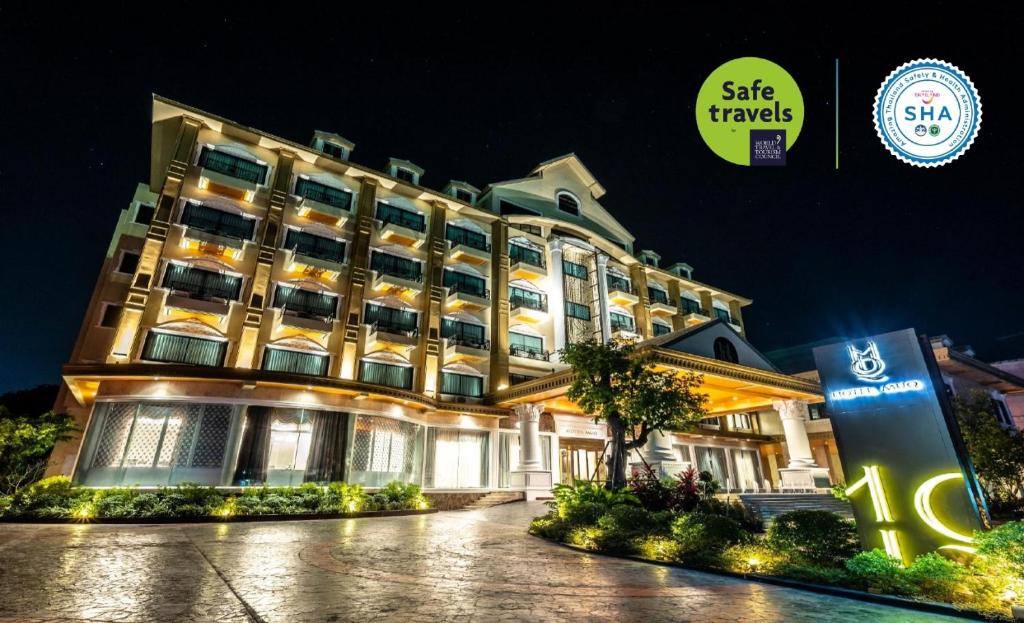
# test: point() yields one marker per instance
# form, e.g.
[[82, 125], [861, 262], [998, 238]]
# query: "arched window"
[[725, 351], [568, 203]]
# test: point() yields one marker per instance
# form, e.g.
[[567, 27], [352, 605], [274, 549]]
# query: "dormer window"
[[405, 175], [463, 195], [333, 150], [568, 203]]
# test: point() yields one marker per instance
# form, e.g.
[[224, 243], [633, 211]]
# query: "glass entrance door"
[[582, 461]]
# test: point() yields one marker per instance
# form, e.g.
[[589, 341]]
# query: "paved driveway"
[[455, 566]]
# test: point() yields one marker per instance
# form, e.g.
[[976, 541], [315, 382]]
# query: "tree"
[[997, 452], [25, 445], [619, 385]]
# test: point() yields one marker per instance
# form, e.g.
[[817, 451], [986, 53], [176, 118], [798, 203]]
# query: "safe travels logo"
[[750, 111], [927, 112]]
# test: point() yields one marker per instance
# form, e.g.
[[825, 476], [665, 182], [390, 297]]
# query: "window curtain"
[[462, 331], [202, 283], [461, 235], [326, 462], [461, 384], [217, 221], [405, 218], [324, 194], [223, 162], [713, 460], [172, 348], [456, 459], [281, 360], [252, 453], [305, 302], [311, 245], [390, 318], [388, 264], [386, 374], [461, 282], [531, 343]]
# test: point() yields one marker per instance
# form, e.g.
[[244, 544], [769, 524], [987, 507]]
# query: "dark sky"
[[877, 245]]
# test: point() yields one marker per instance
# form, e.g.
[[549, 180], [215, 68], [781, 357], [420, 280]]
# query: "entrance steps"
[[494, 498], [770, 505]]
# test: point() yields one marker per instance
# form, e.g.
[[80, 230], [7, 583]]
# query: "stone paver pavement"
[[457, 566]]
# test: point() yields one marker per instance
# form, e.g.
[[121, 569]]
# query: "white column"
[[660, 455], [556, 297], [602, 289], [794, 416], [529, 436]]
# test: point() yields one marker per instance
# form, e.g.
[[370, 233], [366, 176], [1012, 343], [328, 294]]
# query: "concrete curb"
[[201, 520], [930, 607]]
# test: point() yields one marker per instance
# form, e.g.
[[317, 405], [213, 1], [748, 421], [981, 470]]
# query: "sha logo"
[[927, 112], [867, 364]]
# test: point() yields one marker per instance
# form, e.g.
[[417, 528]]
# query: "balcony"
[[468, 246], [462, 349], [181, 299], [209, 243], [397, 275], [322, 203], [396, 284], [624, 296], [230, 175], [527, 306], [393, 337], [523, 356], [526, 263], [662, 309], [466, 299], [695, 317], [402, 227], [306, 321], [313, 266]]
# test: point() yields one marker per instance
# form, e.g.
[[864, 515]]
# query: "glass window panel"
[[214, 221], [323, 193], [404, 218], [310, 245], [282, 360], [173, 348], [232, 166]]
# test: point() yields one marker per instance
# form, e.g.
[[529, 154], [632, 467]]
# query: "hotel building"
[[270, 312]]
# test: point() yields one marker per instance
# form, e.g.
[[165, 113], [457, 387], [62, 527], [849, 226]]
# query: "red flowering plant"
[[679, 494]]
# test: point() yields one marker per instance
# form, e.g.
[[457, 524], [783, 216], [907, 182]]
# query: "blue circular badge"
[[927, 112]]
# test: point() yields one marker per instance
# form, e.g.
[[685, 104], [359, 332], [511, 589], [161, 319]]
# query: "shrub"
[[25, 445], [658, 548], [583, 503], [550, 526], [817, 537], [1004, 546], [751, 558], [732, 509], [702, 538], [342, 497], [635, 520], [878, 571], [669, 494], [397, 495], [814, 574], [936, 577]]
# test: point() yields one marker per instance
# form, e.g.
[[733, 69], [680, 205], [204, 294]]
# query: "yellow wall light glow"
[[873, 480], [923, 505]]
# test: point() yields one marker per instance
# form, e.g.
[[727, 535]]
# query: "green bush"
[[1004, 545], [732, 509], [398, 495], [635, 520], [585, 502], [550, 526], [702, 538], [816, 537], [814, 574], [937, 577], [752, 558], [878, 571]]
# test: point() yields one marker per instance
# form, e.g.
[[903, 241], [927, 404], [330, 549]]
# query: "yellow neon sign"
[[923, 506], [873, 479]]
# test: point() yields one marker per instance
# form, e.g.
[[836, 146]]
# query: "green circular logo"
[[750, 111]]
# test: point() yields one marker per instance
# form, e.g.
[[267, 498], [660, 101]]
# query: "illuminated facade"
[[270, 312]]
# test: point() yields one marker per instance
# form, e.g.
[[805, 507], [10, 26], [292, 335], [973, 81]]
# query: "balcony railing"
[[392, 320], [217, 222], [315, 246], [530, 353], [202, 284], [472, 239], [466, 284], [386, 264], [688, 306], [324, 194], [233, 166], [388, 214], [305, 304], [395, 328], [529, 300], [620, 284], [519, 253], [657, 296]]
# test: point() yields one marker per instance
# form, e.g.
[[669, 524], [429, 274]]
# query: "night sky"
[[875, 246]]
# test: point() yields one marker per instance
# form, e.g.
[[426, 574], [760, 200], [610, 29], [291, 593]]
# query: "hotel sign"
[[580, 428], [909, 478]]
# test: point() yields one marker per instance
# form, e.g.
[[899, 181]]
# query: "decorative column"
[[802, 473], [736, 315], [499, 306], [556, 297], [529, 475], [642, 310], [602, 290], [660, 455], [359, 263], [428, 381]]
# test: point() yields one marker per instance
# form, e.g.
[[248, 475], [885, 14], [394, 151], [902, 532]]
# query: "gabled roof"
[[596, 190], [685, 340]]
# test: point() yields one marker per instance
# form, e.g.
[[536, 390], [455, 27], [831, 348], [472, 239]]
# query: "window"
[[333, 150], [713, 460], [536, 230], [315, 246], [322, 193], [174, 348], [219, 222], [576, 310], [657, 295], [722, 314], [387, 264], [516, 379], [689, 306], [817, 411], [462, 384], [1002, 414], [390, 319], [468, 237], [456, 459], [618, 282], [297, 362], [740, 421], [457, 281], [573, 269], [521, 345], [386, 374], [568, 204], [144, 214], [233, 166], [466, 333], [725, 351], [463, 195], [506, 208], [661, 329], [405, 175], [110, 317], [290, 436], [129, 262], [527, 255], [384, 449], [518, 297], [410, 220], [202, 284], [305, 302], [621, 322]]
